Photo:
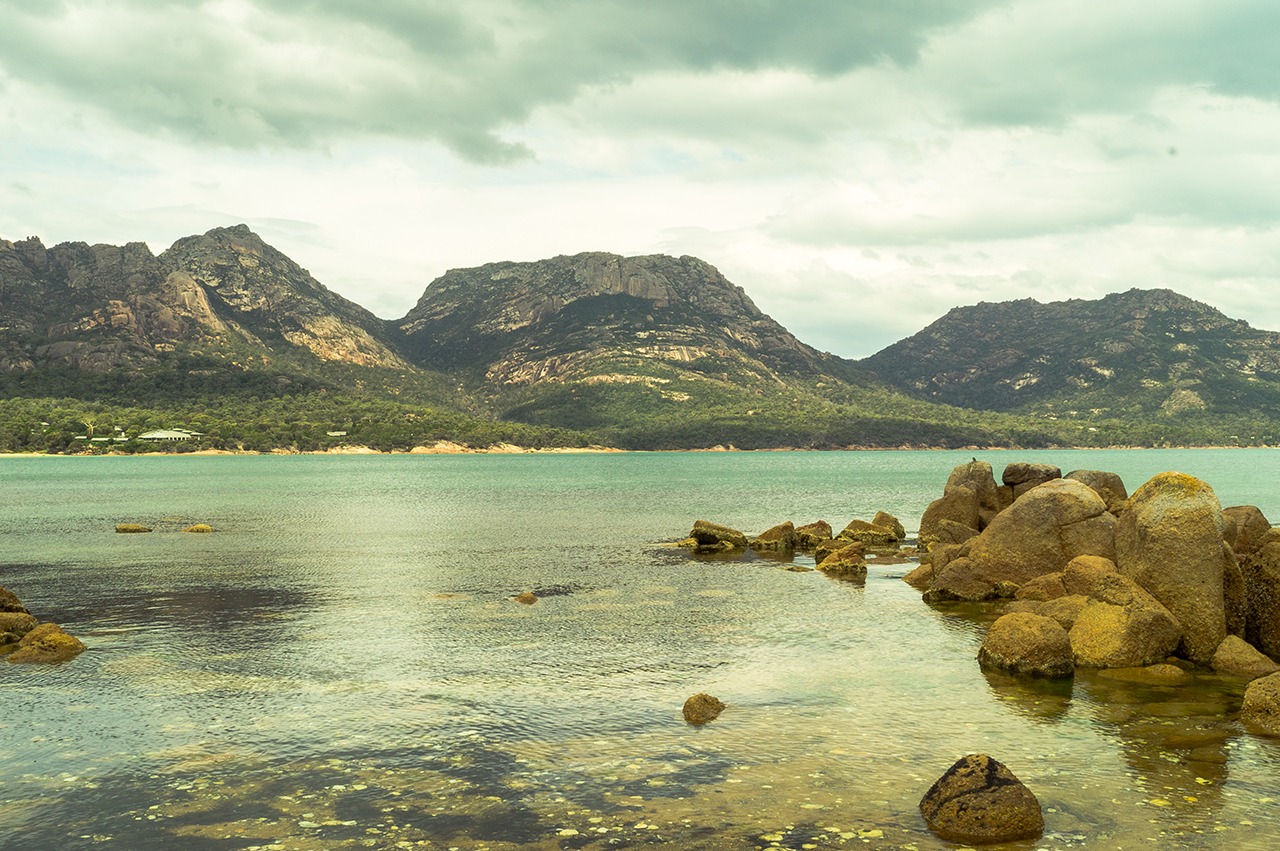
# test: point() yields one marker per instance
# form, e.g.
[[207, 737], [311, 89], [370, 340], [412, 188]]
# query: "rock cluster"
[[1127, 580], [25, 639]]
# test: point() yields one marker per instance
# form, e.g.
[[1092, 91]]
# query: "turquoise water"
[[341, 665]]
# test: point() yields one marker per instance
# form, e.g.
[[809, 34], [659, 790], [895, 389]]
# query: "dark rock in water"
[[830, 546], [1261, 709], [846, 563], [1025, 643], [131, 528], [887, 521], [979, 801], [709, 534], [528, 598], [811, 535], [1022, 476], [16, 624], [780, 538], [9, 602], [702, 708], [1109, 486], [1162, 674], [1233, 656], [869, 534], [46, 643]]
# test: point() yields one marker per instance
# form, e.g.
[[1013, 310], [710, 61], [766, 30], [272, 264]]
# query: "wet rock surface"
[[980, 801]]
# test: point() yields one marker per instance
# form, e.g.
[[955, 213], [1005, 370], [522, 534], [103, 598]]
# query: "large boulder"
[[1109, 486], [1025, 643], [1245, 527], [1122, 626], [780, 538], [1040, 533], [869, 534], [980, 801], [810, 535], [1022, 476], [46, 643], [9, 602], [970, 499], [714, 536], [1170, 543], [1261, 576], [1237, 656], [1261, 708]]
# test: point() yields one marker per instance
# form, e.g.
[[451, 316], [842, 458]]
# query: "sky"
[[859, 167]]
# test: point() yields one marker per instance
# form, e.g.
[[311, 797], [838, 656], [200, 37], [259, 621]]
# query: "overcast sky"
[[858, 166]]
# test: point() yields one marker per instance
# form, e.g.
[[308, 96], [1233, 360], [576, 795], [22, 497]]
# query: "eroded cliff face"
[[572, 316], [104, 307], [265, 293]]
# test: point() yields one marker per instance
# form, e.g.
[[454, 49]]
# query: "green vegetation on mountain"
[[224, 336]]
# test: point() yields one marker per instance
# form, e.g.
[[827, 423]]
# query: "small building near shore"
[[172, 435]]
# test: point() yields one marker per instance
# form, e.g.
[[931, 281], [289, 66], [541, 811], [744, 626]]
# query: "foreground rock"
[[1040, 533], [1024, 643], [980, 801], [1245, 528], [1261, 709], [714, 536], [701, 708], [46, 643], [1170, 542]]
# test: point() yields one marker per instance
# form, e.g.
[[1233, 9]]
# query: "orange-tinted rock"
[[980, 801]]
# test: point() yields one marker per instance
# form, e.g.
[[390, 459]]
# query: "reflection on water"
[[341, 665]]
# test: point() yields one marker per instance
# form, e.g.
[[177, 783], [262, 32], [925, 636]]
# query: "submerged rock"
[[46, 643], [528, 598], [701, 708], [1026, 643], [713, 535], [199, 528], [131, 528], [978, 800]]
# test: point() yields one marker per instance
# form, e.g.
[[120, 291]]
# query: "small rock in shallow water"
[[528, 598], [131, 528], [978, 801], [702, 708], [46, 643], [200, 528]]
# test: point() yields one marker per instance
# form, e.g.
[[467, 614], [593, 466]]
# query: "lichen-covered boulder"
[[199, 528], [1109, 486], [1239, 657], [780, 538], [1244, 528], [1026, 643], [959, 581], [978, 801], [1046, 587], [1170, 543], [1040, 533], [947, 533], [887, 521], [701, 708], [1065, 610], [131, 528], [1022, 476], [810, 535], [846, 563], [9, 602], [868, 534], [46, 643], [715, 536], [1122, 626], [1261, 708], [1261, 576], [16, 624]]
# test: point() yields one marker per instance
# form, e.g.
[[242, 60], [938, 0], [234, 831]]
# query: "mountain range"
[[225, 335]]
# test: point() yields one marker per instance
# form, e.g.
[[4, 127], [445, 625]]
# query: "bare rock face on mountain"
[[600, 315], [266, 294]]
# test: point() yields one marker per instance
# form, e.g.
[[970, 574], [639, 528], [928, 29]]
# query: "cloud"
[[250, 73]]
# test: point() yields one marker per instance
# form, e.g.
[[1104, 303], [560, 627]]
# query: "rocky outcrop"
[[702, 708], [1040, 533], [1170, 543], [1109, 486], [1237, 656], [1022, 476], [979, 801], [1261, 708], [46, 644], [846, 563], [780, 538], [1024, 643]]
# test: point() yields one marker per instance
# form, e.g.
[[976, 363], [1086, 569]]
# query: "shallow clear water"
[[341, 664]]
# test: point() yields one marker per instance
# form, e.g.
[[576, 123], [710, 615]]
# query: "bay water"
[[341, 663]]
